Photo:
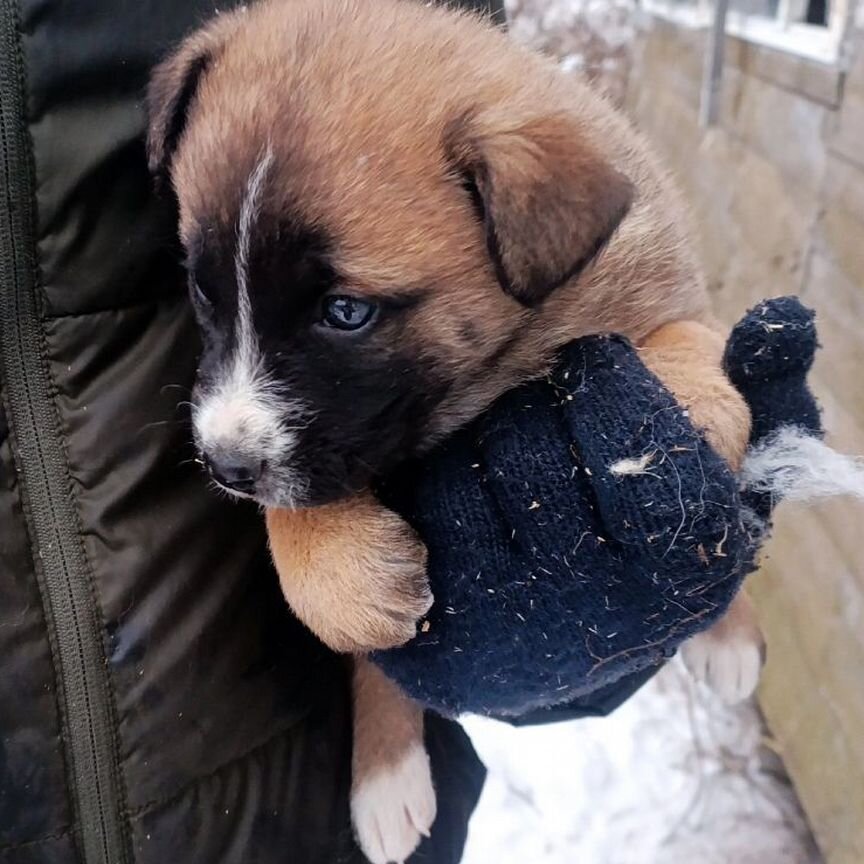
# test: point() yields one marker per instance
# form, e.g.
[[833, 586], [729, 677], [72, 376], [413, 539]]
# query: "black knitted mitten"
[[581, 529]]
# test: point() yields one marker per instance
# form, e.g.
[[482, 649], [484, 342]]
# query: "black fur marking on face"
[[360, 405], [369, 420], [289, 272], [369, 399], [210, 265]]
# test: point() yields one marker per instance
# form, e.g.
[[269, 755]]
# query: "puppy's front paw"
[[393, 808], [723, 416], [390, 591], [729, 665], [688, 358], [353, 572]]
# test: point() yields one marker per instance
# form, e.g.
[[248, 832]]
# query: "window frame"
[[820, 43]]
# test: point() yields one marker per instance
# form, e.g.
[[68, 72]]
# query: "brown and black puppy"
[[392, 214]]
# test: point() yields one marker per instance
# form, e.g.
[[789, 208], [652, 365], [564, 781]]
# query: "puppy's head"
[[375, 204]]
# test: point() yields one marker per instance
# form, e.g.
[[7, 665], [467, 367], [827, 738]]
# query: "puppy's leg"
[[392, 797], [354, 572], [728, 656], [687, 357]]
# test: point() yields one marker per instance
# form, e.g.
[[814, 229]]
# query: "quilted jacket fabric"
[[157, 702]]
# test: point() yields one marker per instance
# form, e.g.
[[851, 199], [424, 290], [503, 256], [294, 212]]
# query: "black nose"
[[234, 472]]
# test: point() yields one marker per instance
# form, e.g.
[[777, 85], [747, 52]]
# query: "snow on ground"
[[672, 777]]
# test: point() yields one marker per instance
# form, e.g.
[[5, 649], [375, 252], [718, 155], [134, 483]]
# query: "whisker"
[[157, 423], [166, 387], [194, 459], [191, 406]]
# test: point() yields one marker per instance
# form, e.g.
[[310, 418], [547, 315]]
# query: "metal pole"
[[712, 76]]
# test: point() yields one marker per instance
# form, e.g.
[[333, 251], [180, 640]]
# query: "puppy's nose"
[[234, 472]]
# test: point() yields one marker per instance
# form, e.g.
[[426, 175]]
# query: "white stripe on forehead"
[[246, 343], [242, 412]]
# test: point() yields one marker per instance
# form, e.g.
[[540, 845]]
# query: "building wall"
[[777, 190]]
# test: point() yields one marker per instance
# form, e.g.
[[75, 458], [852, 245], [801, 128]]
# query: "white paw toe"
[[394, 808], [730, 667]]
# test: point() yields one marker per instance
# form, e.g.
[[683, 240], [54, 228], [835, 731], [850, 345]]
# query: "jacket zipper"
[[71, 613]]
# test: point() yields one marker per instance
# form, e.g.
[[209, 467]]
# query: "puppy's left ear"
[[548, 199], [173, 87]]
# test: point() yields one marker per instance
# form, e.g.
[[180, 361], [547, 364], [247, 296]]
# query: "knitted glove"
[[578, 532], [768, 357]]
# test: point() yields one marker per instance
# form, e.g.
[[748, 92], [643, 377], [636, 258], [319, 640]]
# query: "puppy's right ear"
[[549, 199], [173, 87]]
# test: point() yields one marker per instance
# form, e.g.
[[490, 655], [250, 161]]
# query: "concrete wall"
[[778, 193]]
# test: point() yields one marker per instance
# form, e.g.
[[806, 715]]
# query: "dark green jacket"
[[157, 702]]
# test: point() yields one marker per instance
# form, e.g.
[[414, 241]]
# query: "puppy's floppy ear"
[[549, 201], [173, 87]]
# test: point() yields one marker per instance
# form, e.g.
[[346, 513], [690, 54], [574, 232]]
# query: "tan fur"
[[353, 572], [375, 695], [558, 167], [687, 357]]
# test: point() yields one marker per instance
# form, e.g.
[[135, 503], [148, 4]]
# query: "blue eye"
[[342, 312]]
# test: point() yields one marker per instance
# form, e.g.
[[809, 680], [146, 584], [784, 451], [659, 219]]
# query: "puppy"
[[392, 214]]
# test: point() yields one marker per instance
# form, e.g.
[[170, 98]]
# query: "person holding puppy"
[[157, 701]]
